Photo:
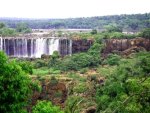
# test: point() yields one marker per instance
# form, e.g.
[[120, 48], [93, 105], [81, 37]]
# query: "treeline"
[[134, 22], [20, 28]]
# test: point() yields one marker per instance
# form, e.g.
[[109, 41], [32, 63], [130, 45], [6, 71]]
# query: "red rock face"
[[112, 45]]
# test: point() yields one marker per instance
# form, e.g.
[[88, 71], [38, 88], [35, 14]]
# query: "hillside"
[[134, 22]]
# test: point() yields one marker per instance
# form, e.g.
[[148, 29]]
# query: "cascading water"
[[65, 47], [35, 47], [1, 43], [53, 45]]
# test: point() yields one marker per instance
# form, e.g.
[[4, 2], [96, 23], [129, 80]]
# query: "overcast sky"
[[71, 8]]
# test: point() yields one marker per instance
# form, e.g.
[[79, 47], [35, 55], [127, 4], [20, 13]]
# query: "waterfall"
[[35, 47], [65, 47], [53, 45], [1, 43]]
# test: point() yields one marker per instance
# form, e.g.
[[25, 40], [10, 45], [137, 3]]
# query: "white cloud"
[[70, 8]]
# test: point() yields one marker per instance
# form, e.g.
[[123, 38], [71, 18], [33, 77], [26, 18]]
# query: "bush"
[[54, 59], [145, 33], [14, 86], [41, 71], [46, 107], [94, 31], [26, 67], [40, 63], [53, 81], [54, 71], [72, 104], [112, 59], [80, 88], [84, 70]]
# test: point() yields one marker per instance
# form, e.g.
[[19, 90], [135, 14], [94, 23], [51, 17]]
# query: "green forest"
[[134, 22]]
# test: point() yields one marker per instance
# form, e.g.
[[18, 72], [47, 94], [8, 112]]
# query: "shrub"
[[84, 70], [26, 67], [40, 63], [145, 33], [80, 88], [72, 104], [112, 59], [94, 31], [40, 71], [46, 107], [54, 59], [53, 81]]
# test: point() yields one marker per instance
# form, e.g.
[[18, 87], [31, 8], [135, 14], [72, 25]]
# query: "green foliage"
[[113, 28], [40, 63], [7, 32], [53, 81], [46, 107], [2, 25], [26, 67], [41, 71], [112, 59], [14, 86], [54, 71], [23, 28], [83, 70], [54, 59], [145, 33], [80, 88], [94, 31], [127, 89], [58, 94], [72, 104]]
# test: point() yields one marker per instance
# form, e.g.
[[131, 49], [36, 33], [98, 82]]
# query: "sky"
[[71, 8]]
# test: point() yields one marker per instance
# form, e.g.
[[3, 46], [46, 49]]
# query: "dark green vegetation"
[[133, 22], [127, 89], [14, 86], [7, 31]]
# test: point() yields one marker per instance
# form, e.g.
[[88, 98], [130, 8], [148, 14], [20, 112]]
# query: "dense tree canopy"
[[14, 86]]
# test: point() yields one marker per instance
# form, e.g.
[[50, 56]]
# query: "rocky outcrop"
[[81, 45], [114, 45], [52, 90]]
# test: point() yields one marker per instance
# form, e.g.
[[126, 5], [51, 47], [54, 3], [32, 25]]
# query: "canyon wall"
[[81, 45], [112, 45]]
